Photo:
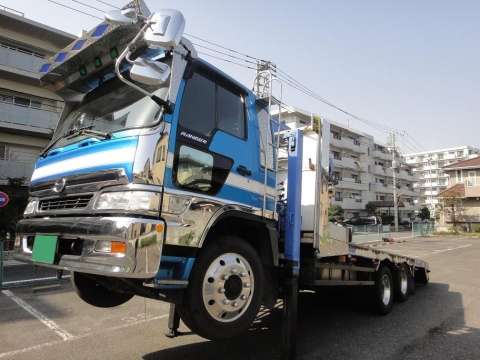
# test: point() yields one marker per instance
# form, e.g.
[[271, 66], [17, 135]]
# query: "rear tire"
[[383, 290], [90, 289], [401, 280], [225, 289]]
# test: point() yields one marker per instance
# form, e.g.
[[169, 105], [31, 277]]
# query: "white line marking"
[[451, 249], [52, 343], [52, 325], [34, 280]]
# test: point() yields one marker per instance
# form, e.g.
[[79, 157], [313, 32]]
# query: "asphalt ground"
[[441, 321]]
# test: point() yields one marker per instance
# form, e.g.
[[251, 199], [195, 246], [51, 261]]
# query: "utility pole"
[[394, 168]]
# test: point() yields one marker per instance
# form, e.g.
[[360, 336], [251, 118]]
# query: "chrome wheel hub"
[[386, 289], [403, 281], [228, 286]]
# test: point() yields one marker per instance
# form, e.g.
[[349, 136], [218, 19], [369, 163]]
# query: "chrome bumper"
[[143, 244]]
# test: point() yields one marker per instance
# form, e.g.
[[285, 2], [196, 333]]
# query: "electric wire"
[[226, 60], [108, 4], [75, 9], [224, 53], [88, 5], [224, 47]]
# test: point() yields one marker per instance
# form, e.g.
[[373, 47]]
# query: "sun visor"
[[89, 54]]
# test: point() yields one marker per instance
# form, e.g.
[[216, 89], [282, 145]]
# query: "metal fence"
[[367, 233]]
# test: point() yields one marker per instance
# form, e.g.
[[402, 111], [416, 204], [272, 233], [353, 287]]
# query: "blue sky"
[[411, 65]]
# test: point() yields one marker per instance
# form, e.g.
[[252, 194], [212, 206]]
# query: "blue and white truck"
[[163, 180]]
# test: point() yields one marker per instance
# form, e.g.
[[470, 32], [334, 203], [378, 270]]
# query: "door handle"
[[243, 170]]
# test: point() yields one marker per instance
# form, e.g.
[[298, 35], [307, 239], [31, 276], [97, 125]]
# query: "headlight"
[[129, 200], [31, 206]]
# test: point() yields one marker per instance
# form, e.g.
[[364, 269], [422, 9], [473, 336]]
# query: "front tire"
[[225, 289], [90, 289]]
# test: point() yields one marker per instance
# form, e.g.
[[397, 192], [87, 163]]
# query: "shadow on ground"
[[339, 324]]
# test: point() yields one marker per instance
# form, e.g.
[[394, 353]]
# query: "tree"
[[371, 208], [335, 213], [424, 213]]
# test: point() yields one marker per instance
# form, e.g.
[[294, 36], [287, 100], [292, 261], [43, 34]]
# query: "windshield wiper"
[[86, 130]]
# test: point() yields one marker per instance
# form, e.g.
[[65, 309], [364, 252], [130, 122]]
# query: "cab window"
[[210, 104]]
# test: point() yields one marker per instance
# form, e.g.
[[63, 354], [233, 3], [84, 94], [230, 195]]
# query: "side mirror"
[[149, 72], [122, 17], [166, 29]]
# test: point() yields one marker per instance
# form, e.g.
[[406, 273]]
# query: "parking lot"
[[441, 321]]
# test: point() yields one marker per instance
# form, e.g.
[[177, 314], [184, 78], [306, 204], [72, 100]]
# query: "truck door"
[[215, 152]]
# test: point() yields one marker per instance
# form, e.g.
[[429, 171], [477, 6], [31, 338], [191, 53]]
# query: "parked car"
[[363, 220]]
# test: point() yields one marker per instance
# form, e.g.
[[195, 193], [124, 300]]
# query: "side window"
[[198, 105], [195, 169], [230, 112], [207, 106]]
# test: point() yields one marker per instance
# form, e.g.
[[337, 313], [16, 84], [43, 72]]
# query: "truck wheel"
[[411, 283], [401, 283], [383, 290], [225, 289], [421, 276], [90, 290]]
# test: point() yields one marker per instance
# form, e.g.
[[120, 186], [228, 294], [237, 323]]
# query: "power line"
[[224, 53], [88, 5], [224, 47], [108, 4], [75, 9], [226, 60]]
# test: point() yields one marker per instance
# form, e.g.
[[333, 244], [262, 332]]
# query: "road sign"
[[4, 199]]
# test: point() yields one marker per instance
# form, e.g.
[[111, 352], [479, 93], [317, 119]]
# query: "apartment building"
[[428, 169], [362, 170], [460, 202], [28, 113]]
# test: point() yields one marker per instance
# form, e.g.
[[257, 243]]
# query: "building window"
[[3, 151], [336, 135], [338, 196], [337, 155], [471, 179], [24, 100]]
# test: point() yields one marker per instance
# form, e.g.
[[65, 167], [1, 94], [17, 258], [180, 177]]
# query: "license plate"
[[45, 248]]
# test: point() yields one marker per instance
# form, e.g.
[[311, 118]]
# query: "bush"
[[335, 213], [475, 228]]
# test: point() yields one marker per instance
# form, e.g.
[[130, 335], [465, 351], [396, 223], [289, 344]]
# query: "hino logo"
[[59, 185], [193, 137]]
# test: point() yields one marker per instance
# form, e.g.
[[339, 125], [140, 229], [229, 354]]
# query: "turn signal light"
[[118, 247]]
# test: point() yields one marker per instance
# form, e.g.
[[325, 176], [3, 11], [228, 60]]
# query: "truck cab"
[[140, 186]]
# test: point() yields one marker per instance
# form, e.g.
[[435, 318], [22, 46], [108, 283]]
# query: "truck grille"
[[73, 202]]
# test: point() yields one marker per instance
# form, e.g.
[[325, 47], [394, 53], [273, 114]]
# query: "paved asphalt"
[[442, 321]]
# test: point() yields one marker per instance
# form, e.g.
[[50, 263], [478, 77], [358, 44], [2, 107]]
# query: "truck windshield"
[[112, 107]]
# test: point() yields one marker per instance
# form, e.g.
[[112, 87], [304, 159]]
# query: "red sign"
[[4, 199]]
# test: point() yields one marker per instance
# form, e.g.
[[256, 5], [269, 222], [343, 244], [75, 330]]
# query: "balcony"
[[27, 119], [15, 169], [349, 163], [350, 204], [351, 184], [349, 144], [382, 155], [20, 59]]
